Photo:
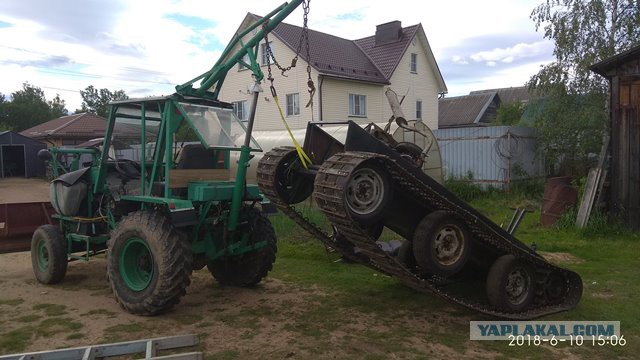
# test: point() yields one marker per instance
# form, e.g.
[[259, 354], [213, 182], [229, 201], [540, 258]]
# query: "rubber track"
[[329, 192]]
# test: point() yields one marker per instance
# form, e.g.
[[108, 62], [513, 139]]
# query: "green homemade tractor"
[[160, 208]]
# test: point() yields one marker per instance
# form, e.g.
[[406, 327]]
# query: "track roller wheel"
[[510, 284], [368, 193], [149, 263], [48, 254], [250, 268], [441, 244], [290, 185]]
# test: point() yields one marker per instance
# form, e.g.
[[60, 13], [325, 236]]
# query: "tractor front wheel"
[[149, 263], [48, 254], [250, 268]]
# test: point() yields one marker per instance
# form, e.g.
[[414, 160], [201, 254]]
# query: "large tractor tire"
[[149, 263], [250, 268], [48, 254], [369, 192], [510, 284], [441, 244]]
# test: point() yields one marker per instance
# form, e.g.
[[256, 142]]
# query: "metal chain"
[[304, 38]]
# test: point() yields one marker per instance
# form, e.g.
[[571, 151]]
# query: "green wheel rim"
[[43, 256], [136, 264]]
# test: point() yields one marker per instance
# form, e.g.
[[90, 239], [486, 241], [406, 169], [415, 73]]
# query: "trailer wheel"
[[149, 263], [48, 254], [368, 194], [441, 244], [250, 268], [289, 184], [510, 284]]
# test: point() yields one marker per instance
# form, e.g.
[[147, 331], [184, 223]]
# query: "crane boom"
[[214, 78]]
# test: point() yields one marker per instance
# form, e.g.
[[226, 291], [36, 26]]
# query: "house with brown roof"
[[475, 109], [76, 129], [350, 77], [68, 130]]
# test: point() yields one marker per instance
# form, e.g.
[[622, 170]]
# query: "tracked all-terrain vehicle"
[[371, 181]]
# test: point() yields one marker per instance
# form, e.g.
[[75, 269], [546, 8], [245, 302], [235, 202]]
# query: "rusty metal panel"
[[19, 221], [492, 156]]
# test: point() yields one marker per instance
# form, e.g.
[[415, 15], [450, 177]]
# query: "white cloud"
[[510, 54], [140, 36]]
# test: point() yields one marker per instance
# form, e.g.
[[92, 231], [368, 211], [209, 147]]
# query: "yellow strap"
[[304, 159]]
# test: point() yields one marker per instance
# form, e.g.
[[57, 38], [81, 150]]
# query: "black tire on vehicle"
[[289, 184], [510, 284], [411, 152], [250, 268], [441, 244], [48, 254], [149, 263], [368, 193]]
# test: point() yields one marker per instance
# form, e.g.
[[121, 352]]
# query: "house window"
[[263, 50], [245, 58], [414, 63], [357, 105], [293, 104], [419, 109], [241, 110]]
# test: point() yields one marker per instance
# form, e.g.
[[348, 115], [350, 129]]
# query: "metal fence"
[[490, 156]]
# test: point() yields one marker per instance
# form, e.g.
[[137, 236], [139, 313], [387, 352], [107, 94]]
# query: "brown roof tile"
[[387, 56], [352, 59], [81, 125]]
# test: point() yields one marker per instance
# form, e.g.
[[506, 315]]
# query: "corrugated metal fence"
[[490, 156]]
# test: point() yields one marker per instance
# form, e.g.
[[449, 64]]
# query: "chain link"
[[304, 39]]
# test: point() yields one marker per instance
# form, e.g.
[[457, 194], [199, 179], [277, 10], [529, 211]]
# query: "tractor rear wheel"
[[250, 268], [441, 244], [510, 284], [149, 263], [48, 254]]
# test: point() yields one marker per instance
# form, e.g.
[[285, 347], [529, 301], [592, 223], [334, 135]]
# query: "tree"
[[585, 32], [58, 107], [97, 101], [509, 113], [28, 107]]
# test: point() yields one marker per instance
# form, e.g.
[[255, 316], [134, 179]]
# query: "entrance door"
[[13, 161]]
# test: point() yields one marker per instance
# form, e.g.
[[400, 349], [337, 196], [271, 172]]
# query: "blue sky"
[[146, 47]]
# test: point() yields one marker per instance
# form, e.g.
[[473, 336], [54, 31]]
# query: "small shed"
[[19, 156], [476, 109], [623, 72]]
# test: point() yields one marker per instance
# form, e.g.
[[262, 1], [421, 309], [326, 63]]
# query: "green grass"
[[606, 256], [11, 302], [51, 309]]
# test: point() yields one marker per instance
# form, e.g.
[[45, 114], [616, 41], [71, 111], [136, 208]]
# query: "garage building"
[[19, 156]]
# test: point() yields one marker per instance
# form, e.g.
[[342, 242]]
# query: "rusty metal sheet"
[[18, 222]]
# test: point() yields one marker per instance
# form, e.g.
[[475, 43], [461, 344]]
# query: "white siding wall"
[[335, 92], [419, 86], [267, 117]]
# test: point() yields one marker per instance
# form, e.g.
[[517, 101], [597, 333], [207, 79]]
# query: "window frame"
[[419, 109], [244, 110], [292, 107], [263, 53], [413, 64], [358, 108]]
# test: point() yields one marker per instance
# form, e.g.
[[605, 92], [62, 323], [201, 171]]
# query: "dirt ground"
[[19, 190], [263, 322]]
